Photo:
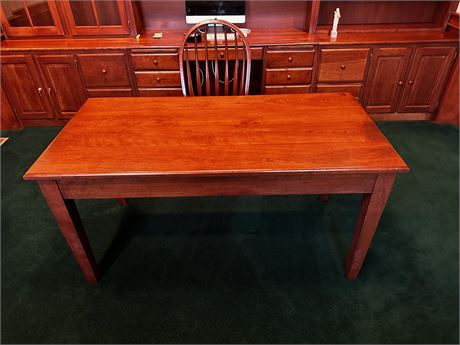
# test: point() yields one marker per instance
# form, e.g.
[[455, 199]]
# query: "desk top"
[[258, 37], [117, 137]]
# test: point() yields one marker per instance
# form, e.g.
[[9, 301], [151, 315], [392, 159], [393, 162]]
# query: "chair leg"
[[323, 197], [122, 201]]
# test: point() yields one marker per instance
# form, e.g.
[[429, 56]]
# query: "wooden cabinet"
[[399, 83], [63, 83], [339, 65], [8, 119], [25, 89], [106, 74], [342, 70], [386, 78], [30, 18], [288, 69], [96, 18], [156, 72], [426, 79], [52, 91]]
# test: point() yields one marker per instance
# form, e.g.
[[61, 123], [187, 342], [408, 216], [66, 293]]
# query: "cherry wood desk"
[[216, 146]]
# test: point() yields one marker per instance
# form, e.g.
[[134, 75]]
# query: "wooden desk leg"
[[66, 214], [371, 210]]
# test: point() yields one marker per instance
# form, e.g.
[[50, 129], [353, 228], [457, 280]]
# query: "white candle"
[[335, 23]]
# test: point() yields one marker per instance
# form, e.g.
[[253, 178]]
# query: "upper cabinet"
[[42, 18], [30, 18], [97, 18]]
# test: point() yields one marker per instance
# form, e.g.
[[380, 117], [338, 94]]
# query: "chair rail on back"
[[223, 53]]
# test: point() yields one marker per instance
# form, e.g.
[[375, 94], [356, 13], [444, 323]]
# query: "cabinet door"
[[95, 17], [63, 83], [22, 82], [385, 79], [427, 77], [30, 18]]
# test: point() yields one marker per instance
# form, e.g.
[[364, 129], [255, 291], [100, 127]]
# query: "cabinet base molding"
[[402, 117], [43, 122]]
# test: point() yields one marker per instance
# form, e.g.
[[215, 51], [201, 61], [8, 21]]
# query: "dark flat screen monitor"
[[231, 11]]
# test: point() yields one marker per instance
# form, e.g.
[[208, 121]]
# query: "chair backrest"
[[218, 65]]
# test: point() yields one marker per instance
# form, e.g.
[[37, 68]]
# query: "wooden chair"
[[214, 59]]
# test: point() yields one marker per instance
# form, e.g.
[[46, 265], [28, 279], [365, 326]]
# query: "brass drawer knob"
[[288, 76], [342, 66], [155, 62], [104, 71], [410, 82], [158, 79], [221, 54], [400, 82], [289, 59]]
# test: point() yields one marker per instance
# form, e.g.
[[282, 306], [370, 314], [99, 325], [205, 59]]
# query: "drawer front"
[[355, 89], [269, 90], [155, 61], [342, 64], [158, 79], [104, 70], [288, 76], [289, 58], [160, 92], [109, 93]]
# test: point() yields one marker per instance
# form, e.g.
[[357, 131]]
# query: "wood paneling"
[[8, 118], [448, 111], [381, 12], [259, 14]]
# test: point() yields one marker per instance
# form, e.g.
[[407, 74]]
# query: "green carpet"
[[238, 269]]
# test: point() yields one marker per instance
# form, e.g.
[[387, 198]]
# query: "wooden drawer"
[[342, 64], [288, 58], [355, 89], [160, 92], [158, 79], [287, 89], [104, 70], [283, 76], [155, 61], [109, 93]]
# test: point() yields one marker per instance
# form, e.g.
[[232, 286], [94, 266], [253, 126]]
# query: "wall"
[[259, 14]]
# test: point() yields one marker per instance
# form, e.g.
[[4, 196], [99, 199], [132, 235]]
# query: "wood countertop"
[[258, 37]]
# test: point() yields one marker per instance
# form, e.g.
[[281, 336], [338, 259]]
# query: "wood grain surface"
[[120, 137]]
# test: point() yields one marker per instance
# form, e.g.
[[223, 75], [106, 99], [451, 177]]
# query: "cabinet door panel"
[[25, 88], [385, 79], [30, 18], [96, 17], [426, 79], [63, 83]]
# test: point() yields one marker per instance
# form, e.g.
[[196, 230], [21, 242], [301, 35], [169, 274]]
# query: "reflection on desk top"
[[261, 37], [296, 133]]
